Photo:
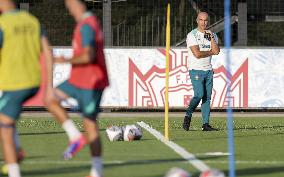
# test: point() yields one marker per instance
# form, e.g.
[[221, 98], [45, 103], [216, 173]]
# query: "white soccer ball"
[[132, 132], [114, 133], [177, 172], [212, 173]]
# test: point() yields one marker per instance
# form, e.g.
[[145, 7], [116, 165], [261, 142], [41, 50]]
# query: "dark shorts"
[[11, 102], [88, 100]]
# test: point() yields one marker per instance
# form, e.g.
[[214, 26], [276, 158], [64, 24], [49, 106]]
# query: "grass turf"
[[259, 146]]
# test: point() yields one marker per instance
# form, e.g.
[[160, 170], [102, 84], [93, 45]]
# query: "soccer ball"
[[177, 172], [132, 132], [212, 173], [114, 133]]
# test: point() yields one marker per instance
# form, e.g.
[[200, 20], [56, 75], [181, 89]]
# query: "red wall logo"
[[148, 90]]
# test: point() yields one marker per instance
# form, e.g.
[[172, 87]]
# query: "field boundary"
[[109, 109], [42, 114], [198, 164]]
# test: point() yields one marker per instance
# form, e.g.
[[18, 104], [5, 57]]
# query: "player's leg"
[[10, 109], [55, 108], [7, 126], [205, 106], [20, 152], [206, 100], [76, 138], [197, 80], [93, 137], [90, 108]]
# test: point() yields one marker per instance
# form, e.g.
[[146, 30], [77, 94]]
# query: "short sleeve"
[[88, 36], [191, 40]]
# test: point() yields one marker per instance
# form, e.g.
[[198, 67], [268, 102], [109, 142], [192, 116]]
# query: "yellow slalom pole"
[[168, 35]]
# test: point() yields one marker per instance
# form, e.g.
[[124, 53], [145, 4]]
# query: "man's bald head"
[[202, 14], [202, 20]]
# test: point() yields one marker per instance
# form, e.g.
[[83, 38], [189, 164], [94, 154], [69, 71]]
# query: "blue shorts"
[[11, 102], [88, 100]]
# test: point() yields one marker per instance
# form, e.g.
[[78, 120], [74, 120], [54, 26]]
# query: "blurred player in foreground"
[[201, 45], [87, 81], [21, 41]]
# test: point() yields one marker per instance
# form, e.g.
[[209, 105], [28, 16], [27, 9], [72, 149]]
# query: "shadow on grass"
[[224, 137], [41, 133], [57, 171], [258, 171], [86, 167], [259, 128], [240, 128], [50, 133], [27, 158], [79, 168]]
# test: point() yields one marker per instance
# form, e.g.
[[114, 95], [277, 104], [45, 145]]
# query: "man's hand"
[[208, 31], [60, 59], [208, 35]]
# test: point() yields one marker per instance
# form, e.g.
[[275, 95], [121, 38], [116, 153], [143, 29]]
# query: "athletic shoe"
[[186, 123], [207, 127], [74, 147]]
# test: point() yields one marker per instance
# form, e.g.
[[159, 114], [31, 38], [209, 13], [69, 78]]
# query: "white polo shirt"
[[196, 37]]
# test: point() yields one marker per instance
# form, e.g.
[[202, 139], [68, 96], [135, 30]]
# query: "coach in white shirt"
[[201, 45]]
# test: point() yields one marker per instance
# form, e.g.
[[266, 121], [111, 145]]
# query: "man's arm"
[[86, 57], [200, 54], [46, 50], [214, 47], [88, 54], [193, 46]]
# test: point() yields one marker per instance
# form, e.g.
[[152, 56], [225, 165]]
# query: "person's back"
[[20, 51]]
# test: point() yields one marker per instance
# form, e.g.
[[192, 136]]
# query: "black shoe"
[[207, 127], [186, 123]]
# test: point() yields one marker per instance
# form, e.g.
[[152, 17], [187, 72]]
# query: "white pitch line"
[[198, 164], [213, 154], [246, 162]]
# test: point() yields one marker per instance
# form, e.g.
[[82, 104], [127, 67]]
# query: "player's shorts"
[[11, 101], [88, 100]]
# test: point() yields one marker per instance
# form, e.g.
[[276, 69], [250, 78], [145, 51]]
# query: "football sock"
[[13, 170], [97, 167], [71, 130]]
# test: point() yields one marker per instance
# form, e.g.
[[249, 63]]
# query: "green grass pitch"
[[259, 145]]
